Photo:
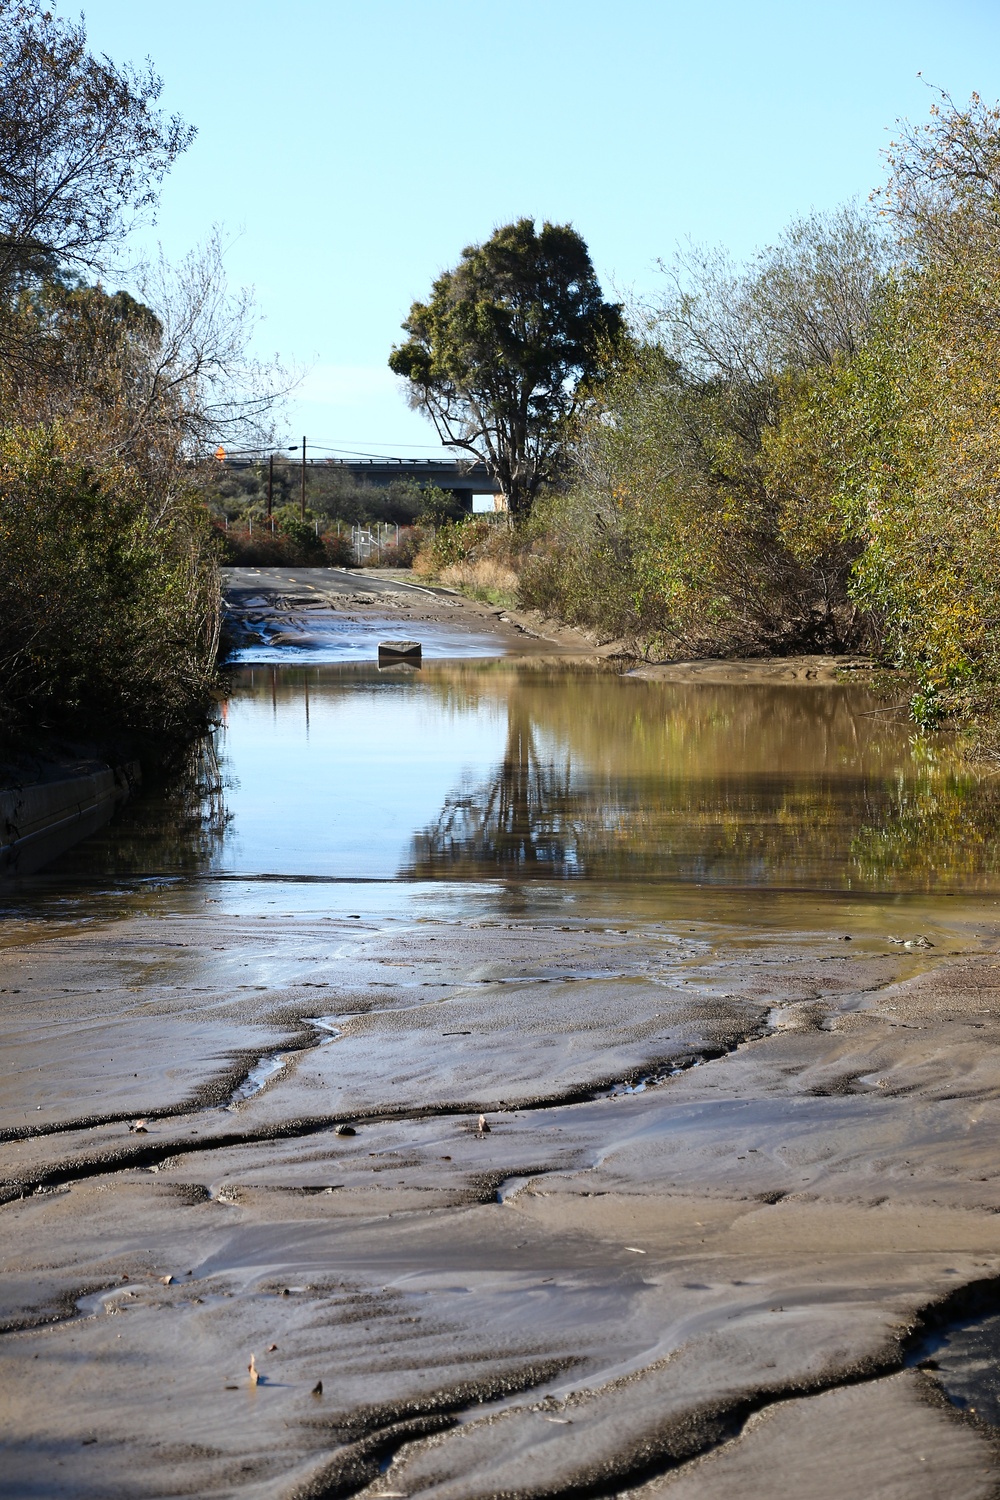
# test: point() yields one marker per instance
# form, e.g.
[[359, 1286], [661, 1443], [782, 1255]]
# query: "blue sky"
[[352, 150]]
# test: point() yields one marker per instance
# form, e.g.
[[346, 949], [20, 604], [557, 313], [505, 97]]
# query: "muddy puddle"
[[544, 773]]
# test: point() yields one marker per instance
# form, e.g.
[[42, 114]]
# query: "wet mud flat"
[[500, 1201]]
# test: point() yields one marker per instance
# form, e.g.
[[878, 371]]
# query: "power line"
[[359, 453], [261, 454], [382, 442]]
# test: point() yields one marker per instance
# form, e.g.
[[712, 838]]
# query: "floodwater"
[[325, 639], [541, 785], [494, 771]]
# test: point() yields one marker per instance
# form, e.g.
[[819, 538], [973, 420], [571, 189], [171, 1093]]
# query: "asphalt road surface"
[[242, 582]]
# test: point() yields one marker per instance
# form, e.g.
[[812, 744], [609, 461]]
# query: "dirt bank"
[[811, 670]]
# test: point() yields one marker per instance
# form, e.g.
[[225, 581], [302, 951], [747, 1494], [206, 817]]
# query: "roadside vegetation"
[[397, 518], [109, 590], [799, 454]]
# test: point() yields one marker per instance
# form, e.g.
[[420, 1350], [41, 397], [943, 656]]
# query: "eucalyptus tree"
[[498, 356]]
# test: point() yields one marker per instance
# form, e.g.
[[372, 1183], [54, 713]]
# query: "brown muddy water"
[[513, 772], [560, 1083]]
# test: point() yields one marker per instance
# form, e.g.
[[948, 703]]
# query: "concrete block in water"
[[399, 651]]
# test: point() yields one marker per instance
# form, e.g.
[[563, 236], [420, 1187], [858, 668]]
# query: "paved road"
[[239, 583]]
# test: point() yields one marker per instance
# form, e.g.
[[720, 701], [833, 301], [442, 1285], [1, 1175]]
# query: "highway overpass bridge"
[[465, 480]]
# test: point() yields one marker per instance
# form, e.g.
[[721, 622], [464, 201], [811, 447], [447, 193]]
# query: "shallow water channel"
[[485, 771]]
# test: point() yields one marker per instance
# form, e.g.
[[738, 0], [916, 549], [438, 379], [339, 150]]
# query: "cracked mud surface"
[[692, 1256]]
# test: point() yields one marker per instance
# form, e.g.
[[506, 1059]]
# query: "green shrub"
[[293, 544], [111, 609], [303, 538], [452, 542]]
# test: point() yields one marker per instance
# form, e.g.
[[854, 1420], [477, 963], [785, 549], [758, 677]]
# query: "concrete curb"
[[40, 821]]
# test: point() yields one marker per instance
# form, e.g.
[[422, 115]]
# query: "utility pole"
[[270, 485], [302, 487]]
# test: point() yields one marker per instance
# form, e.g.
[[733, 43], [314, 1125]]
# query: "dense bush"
[[478, 555], [675, 533], [109, 590], [805, 454], [110, 608]]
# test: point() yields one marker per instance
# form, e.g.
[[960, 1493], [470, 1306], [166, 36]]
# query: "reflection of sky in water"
[[504, 792], [528, 774], [482, 771], [342, 794]]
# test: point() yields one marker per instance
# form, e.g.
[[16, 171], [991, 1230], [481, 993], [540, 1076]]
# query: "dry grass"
[[424, 564], [483, 577]]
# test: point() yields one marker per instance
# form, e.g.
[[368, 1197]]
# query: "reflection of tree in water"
[[174, 827], [515, 824], [690, 797], [941, 830]]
